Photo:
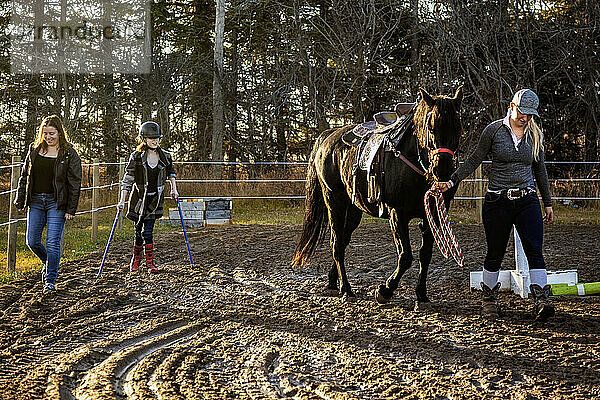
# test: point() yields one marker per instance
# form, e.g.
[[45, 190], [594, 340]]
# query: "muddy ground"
[[241, 325]]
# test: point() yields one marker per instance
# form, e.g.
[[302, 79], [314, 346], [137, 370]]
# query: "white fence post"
[[95, 199], [121, 174], [479, 193], [11, 245]]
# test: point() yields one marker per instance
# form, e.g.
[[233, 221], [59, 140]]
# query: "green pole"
[[580, 289]]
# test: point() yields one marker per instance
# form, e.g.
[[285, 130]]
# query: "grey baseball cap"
[[526, 101]]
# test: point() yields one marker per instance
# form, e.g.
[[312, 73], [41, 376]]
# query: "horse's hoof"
[[379, 298], [383, 295], [331, 292], [349, 298]]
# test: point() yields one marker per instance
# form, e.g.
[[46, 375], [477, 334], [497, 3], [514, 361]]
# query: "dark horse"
[[430, 143]]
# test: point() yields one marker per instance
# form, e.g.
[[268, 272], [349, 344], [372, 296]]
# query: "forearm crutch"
[[184, 233], [112, 232]]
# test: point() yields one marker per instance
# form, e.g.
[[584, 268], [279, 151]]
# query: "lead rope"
[[443, 234]]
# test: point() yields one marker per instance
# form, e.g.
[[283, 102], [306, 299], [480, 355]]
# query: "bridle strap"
[[407, 162], [427, 173], [414, 167]]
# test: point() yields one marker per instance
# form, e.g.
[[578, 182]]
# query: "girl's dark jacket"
[[135, 181], [67, 179]]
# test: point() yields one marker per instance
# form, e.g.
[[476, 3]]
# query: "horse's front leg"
[[402, 241], [425, 253]]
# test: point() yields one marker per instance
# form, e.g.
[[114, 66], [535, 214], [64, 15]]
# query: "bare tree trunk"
[[33, 110], [218, 103], [415, 64], [319, 86], [164, 120], [280, 135], [233, 148], [110, 134], [145, 97]]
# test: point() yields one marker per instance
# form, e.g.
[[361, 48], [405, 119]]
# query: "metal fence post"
[[121, 174], [479, 192], [11, 246], [95, 198]]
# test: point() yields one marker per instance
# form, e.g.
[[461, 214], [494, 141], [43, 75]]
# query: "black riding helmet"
[[150, 130]]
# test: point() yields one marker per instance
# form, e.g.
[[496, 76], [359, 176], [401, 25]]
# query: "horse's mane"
[[443, 111]]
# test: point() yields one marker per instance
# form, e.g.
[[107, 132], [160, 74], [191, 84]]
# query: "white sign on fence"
[[201, 212]]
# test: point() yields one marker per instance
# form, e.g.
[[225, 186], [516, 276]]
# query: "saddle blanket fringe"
[[443, 233]]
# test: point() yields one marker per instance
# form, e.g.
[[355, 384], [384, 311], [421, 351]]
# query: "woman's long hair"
[[142, 146], [56, 122], [537, 138]]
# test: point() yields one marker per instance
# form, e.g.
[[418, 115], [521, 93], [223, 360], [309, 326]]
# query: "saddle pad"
[[355, 136], [363, 129], [370, 150]]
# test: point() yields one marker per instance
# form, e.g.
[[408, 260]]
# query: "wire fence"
[[294, 164], [291, 180], [240, 190]]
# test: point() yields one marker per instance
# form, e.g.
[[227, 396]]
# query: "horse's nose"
[[444, 167]]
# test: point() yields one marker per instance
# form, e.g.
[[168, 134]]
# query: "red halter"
[[441, 150]]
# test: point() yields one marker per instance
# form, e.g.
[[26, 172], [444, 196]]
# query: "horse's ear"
[[427, 98], [459, 95]]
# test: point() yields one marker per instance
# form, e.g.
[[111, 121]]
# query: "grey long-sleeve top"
[[511, 167]]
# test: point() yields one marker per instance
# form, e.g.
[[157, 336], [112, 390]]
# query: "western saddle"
[[369, 138]]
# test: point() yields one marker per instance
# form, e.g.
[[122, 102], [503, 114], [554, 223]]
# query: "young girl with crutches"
[[146, 173]]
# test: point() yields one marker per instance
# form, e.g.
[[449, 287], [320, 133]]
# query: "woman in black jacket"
[[146, 173], [49, 186]]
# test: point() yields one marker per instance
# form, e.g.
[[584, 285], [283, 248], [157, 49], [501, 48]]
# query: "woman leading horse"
[[338, 196]]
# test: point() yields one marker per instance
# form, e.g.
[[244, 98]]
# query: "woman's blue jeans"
[[42, 212]]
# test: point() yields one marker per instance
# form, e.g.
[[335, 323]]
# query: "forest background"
[[292, 68]]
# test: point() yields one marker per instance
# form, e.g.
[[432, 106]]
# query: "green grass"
[[270, 212], [276, 212], [77, 241]]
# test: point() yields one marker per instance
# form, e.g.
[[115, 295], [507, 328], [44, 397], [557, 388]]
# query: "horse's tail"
[[315, 214]]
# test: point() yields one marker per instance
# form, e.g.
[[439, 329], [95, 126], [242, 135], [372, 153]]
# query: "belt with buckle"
[[513, 194]]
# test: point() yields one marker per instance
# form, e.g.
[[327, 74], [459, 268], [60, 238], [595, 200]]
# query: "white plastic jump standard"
[[518, 279], [520, 276]]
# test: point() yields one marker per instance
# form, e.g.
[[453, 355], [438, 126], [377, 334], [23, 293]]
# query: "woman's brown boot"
[[489, 306], [542, 306]]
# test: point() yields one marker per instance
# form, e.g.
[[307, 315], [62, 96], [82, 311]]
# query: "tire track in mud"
[[106, 380], [73, 366]]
